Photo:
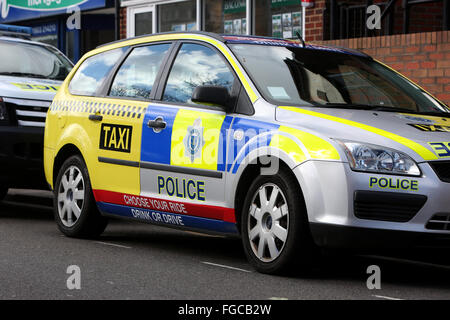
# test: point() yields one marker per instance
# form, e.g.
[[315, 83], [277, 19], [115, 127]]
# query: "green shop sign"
[[281, 3], [37, 5], [234, 6]]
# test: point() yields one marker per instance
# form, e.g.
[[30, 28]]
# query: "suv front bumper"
[[21, 154]]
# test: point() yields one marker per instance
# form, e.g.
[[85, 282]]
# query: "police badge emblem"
[[193, 141]]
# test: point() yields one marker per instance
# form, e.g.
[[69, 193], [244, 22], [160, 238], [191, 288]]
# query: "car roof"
[[257, 40]]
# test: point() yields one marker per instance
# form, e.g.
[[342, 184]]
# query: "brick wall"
[[422, 57], [123, 23], [314, 28]]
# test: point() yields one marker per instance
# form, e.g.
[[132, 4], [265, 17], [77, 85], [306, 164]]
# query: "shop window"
[[178, 16], [143, 23], [278, 18], [140, 21], [225, 16], [196, 65], [93, 71], [137, 74]]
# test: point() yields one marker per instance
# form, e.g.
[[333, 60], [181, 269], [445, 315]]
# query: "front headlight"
[[372, 158]]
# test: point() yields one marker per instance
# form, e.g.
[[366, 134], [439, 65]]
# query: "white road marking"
[[278, 298], [204, 234], [385, 297], [413, 262], [224, 266], [113, 245]]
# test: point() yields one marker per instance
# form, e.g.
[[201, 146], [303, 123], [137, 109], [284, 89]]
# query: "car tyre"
[[274, 226], [75, 209]]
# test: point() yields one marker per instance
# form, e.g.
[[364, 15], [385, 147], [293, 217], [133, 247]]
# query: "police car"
[[291, 146], [30, 74]]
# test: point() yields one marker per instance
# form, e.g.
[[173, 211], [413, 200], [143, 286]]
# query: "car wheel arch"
[[246, 178]]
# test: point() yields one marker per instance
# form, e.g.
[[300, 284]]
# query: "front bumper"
[[338, 236], [21, 154], [330, 190]]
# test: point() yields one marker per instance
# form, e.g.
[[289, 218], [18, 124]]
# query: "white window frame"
[[131, 14], [140, 6]]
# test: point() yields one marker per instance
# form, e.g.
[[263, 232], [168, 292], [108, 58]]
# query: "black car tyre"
[[75, 209], [274, 226]]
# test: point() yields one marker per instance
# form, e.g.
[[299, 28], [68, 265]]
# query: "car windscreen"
[[34, 61], [329, 78]]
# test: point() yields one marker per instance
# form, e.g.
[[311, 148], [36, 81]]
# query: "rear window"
[[93, 71]]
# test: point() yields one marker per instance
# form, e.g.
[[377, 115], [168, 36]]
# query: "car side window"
[[196, 65], [93, 71], [137, 75]]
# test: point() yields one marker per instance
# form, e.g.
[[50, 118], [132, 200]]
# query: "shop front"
[[73, 26], [275, 18]]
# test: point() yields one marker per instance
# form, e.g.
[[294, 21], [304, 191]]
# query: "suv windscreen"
[[33, 61], [325, 78]]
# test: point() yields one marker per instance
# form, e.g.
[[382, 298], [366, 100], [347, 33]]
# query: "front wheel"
[[75, 209], [274, 225]]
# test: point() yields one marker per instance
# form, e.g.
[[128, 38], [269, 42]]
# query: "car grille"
[[28, 113], [440, 221], [442, 169], [387, 206]]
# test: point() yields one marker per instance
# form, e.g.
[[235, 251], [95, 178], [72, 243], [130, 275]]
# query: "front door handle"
[[157, 125], [95, 117]]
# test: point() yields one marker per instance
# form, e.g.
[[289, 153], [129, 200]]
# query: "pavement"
[[140, 261]]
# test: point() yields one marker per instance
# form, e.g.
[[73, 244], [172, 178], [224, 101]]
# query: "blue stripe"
[[251, 129], [156, 147], [223, 143], [168, 219]]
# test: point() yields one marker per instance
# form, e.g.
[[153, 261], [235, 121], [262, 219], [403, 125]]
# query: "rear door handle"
[[95, 117], [157, 125]]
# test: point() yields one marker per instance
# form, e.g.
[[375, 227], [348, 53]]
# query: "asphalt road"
[[140, 261]]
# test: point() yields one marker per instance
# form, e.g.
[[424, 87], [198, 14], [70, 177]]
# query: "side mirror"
[[212, 95]]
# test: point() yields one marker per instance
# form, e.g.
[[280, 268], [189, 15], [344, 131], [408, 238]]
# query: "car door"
[[118, 120], [183, 151]]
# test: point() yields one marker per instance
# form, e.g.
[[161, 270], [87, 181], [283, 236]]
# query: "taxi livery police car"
[[291, 146], [30, 74]]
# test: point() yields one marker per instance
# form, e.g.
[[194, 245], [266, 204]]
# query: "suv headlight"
[[372, 158]]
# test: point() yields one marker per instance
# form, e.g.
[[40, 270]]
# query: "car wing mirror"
[[216, 95]]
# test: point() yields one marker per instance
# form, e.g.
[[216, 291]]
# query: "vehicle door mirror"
[[216, 95]]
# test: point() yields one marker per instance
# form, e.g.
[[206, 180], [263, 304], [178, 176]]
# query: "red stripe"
[[190, 209]]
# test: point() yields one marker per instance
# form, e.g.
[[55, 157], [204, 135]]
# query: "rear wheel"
[[3, 192], [274, 225], [75, 209]]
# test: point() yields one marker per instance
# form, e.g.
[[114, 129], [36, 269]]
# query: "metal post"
[[332, 19], [405, 16], [117, 19], [446, 25]]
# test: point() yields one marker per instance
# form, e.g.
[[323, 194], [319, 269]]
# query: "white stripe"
[[224, 266], [30, 123], [32, 103], [31, 113], [113, 245], [385, 297]]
